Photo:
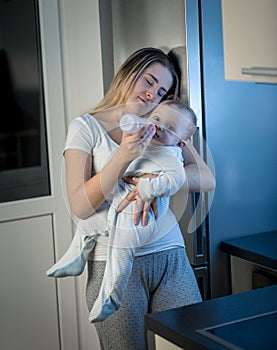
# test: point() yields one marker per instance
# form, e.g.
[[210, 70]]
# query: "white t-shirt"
[[87, 134]]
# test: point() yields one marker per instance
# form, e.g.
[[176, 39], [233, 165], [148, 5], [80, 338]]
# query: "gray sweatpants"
[[159, 281]]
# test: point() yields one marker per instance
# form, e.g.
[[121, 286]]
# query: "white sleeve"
[[166, 184], [80, 135]]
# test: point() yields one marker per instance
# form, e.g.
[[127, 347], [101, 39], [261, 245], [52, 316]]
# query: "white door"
[[37, 312]]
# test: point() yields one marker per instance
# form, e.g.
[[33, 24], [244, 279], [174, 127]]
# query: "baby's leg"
[[117, 272], [124, 240], [73, 262]]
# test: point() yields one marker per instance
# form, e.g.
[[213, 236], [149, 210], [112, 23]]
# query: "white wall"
[[137, 24], [81, 55]]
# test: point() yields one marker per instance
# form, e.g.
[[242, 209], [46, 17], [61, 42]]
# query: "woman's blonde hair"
[[135, 65]]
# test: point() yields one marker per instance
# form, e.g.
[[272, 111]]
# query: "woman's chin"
[[140, 108]]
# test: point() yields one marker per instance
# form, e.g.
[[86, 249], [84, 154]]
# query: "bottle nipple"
[[131, 123]]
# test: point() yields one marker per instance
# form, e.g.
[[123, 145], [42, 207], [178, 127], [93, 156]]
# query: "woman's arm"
[[86, 192], [200, 177]]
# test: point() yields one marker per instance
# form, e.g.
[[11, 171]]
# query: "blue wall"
[[241, 132]]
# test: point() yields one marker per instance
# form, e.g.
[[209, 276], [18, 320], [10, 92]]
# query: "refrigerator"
[[238, 148]]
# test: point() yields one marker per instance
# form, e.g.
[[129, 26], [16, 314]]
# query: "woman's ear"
[[181, 144]]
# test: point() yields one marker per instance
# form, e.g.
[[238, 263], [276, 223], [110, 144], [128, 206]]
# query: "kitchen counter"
[[253, 261], [260, 249], [242, 321]]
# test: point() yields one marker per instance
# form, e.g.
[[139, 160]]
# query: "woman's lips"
[[142, 100]]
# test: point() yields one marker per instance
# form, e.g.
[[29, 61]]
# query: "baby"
[[175, 123]]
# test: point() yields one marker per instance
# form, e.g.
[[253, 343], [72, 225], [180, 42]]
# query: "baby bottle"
[[130, 123]]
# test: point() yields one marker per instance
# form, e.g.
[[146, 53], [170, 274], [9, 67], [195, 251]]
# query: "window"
[[23, 144]]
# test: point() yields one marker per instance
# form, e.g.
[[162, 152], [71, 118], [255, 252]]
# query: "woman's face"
[[149, 88]]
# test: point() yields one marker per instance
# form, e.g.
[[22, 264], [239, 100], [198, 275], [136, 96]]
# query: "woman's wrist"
[[125, 155]]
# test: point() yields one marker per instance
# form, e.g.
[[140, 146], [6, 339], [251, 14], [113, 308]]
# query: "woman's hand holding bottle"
[[132, 146]]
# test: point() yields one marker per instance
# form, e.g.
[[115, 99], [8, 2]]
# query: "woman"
[[96, 156]]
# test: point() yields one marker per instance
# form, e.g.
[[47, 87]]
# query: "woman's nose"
[[149, 95]]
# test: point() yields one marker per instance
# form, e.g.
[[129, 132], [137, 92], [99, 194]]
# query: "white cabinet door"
[[249, 36], [28, 318]]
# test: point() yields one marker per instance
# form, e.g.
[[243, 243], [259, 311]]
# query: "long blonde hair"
[[135, 65]]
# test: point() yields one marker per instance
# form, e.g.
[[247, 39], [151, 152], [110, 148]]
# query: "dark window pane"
[[23, 146]]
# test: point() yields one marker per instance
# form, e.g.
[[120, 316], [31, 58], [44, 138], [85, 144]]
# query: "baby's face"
[[172, 126]]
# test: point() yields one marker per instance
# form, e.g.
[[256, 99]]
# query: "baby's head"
[[175, 122]]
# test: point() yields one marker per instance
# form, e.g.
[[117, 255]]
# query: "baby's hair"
[[183, 106]]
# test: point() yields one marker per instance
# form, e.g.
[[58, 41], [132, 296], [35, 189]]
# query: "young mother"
[[96, 156]]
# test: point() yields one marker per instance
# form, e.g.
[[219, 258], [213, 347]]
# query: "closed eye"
[[162, 92], [149, 81]]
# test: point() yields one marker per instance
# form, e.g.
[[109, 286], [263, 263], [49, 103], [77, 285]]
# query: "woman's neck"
[[110, 121]]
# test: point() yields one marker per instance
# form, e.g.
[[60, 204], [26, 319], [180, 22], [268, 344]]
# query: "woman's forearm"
[[87, 193], [102, 184], [200, 177]]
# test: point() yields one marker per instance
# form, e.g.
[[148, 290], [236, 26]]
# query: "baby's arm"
[[167, 183], [164, 175]]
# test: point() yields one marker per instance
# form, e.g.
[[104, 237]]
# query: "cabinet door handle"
[[271, 72]]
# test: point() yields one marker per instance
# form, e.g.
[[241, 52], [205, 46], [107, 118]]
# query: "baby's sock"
[[104, 306], [74, 260], [117, 272]]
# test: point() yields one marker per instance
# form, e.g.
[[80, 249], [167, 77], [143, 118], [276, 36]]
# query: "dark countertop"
[[241, 321], [259, 248]]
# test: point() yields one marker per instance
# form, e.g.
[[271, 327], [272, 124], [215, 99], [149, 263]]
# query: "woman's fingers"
[[145, 135], [141, 208], [144, 219], [130, 180], [145, 212], [154, 206], [138, 210], [134, 145], [126, 201], [148, 133], [141, 211]]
